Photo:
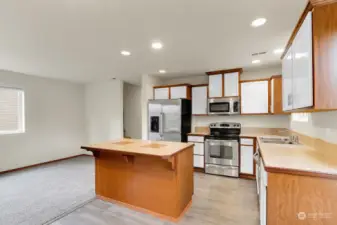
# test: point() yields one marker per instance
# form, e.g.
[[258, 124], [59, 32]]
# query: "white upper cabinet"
[[303, 66], [287, 84], [231, 84], [199, 100], [178, 92], [215, 86], [161, 93], [254, 97], [297, 69]]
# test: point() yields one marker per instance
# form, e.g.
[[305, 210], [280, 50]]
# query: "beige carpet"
[[38, 195]]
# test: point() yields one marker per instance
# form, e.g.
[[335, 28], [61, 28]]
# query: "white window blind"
[[12, 119]]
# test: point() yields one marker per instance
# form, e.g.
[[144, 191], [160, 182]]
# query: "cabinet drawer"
[[199, 149], [198, 161], [247, 141], [195, 139]]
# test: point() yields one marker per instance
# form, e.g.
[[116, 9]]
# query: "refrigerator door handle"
[[161, 124]]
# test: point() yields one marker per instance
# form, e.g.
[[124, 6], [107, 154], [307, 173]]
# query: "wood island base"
[[161, 186]]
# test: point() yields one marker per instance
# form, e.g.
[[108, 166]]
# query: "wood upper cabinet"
[[297, 68], [287, 84], [231, 84], [276, 106], [215, 86], [302, 66], [224, 83], [179, 92], [255, 97], [162, 93], [172, 91], [199, 99], [308, 67]]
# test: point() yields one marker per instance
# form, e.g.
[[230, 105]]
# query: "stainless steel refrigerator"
[[169, 120]]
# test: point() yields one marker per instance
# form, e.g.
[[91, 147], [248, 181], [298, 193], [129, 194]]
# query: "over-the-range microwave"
[[224, 106]]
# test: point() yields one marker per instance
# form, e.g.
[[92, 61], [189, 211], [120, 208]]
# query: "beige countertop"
[[312, 157], [308, 160], [198, 133], [252, 132], [141, 147]]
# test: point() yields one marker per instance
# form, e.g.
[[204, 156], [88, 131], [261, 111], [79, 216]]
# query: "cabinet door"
[[161, 93], [215, 85], [255, 97], [198, 161], [179, 92], [231, 84], [287, 80], [272, 95], [247, 160], [263, 195], [199, 149], [276, 95], [303, 66], [199, 100]]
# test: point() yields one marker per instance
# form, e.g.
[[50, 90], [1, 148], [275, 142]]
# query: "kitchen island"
[[150, 176]]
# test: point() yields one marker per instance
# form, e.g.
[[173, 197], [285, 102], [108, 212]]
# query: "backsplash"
[[322, 125], [263, 121]]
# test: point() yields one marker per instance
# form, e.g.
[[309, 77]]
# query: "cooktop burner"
[[224, 130]]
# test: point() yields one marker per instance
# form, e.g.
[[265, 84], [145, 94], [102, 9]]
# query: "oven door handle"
[[225, 142]]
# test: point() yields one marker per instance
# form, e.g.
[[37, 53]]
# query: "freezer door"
[[171, 116], [175, 137], [154, 121]]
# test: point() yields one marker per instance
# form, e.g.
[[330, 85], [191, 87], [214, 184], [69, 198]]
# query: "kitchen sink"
[[280, 140]]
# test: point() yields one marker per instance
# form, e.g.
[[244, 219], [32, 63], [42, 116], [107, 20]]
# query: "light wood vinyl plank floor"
[[216, 201]]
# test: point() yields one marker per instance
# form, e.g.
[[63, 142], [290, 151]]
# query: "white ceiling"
[[81, 40]]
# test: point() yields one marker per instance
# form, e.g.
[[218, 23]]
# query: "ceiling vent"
[[259, 53]]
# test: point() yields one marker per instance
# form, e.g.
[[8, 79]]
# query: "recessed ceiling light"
[[259, 22], [256, 61], [278, 51], [162, 71], [157, 45], [126, 53]]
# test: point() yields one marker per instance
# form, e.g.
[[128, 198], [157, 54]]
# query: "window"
[[12, 116], [300, 117]]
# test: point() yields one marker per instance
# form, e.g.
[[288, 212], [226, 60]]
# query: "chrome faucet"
[[294, 139]]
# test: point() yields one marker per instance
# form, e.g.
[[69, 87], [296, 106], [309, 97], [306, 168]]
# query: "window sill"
[[2, 133]]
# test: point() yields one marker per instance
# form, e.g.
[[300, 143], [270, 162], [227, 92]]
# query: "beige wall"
[[322, 125], [104, 110], [132, 111], [55, 123], [148, 82]]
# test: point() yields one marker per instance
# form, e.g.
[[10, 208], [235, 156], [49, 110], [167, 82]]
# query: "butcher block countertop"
[[140, 147]]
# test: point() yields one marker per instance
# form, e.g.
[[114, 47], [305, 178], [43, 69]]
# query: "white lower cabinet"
[[263, 194], [198, 148], [247, 160], [198, 161], [199, 151]]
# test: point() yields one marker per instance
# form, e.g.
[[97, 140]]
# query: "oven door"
[[219, 107], [222, 152]]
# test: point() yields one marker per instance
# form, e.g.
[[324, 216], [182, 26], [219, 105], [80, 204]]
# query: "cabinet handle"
[[290, 99]]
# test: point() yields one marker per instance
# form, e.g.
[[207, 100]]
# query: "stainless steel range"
[[222, 149]]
